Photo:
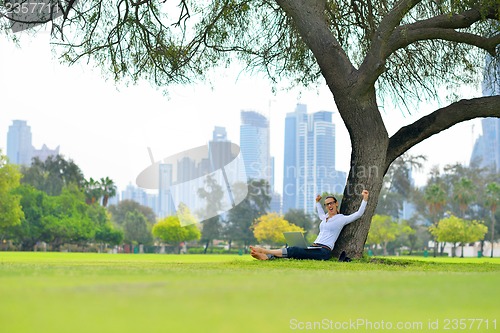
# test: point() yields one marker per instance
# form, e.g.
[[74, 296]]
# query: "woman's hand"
[[318, 198], [365, 195]]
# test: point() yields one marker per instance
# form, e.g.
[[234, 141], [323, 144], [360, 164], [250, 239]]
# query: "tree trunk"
[[369, 142], [492, 231], [441, 248], [207, 244]]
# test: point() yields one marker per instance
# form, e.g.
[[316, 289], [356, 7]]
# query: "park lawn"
[[76, 292]]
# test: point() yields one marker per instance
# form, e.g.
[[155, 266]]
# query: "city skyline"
[[309, 158], [107, 129], [20, 149]]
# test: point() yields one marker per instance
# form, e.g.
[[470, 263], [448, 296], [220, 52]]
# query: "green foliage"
[[108, 190], [456, 230], [397, 184], [170, 231], [52, 175], [384, 229], [492, 200], [99, 190], [32, 227], [212, 194], [136, 229], [61, 219], [185, 215], [11, 213], [435, 198], [65, 218], [299, 218], [449, 229], [474, 231], [240, 218], [270, 227], [492, 195], [119, 211], [464, 193], [108, 234], [169, 43]]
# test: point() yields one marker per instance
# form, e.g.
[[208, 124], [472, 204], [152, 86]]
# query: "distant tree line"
[[51, 203], [457, 205]]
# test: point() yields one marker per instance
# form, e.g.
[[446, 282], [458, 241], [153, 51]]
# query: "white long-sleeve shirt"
[[330, 228]]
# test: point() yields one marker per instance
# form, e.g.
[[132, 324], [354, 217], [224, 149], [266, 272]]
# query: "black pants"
[[301, 253]]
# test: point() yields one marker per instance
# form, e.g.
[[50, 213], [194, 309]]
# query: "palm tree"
[[492, 199], [93, 191], [108, 190], [435, 198], [464, 193]]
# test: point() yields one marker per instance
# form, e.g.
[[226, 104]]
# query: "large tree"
[[11, 212], [52, 174], [119, 211], [364, 50]]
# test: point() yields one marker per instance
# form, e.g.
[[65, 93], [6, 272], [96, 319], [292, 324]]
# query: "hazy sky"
[[106, 130]]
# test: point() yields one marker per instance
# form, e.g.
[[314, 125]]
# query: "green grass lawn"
[[75, 292]]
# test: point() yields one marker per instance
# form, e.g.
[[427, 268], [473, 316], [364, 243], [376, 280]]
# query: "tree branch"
[[438, 121], [443, 27], [374, 63], [389, 37], [309, 18]]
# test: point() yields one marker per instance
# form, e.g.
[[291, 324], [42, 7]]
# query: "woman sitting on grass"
[[329, 230]]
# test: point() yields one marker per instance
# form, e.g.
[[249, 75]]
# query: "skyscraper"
[[198, 184], [255, 146], [309, 159], [486, 152], [19, 147], [219, 134]]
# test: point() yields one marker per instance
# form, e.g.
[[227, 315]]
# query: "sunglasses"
[[330, 203]]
